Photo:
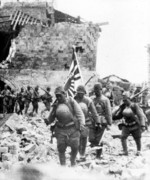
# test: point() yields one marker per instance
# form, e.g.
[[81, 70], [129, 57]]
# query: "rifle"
[[90, 79], [47, 93], [35, 93], [139, 93], [45, 90]]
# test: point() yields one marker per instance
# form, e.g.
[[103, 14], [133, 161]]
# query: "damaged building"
[[36, 43]]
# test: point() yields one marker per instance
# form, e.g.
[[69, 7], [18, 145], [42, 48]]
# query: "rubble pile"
[[25, 140]]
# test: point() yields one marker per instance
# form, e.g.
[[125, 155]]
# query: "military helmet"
[[126, 95], [97, 86], [59, 90], [81, 89]]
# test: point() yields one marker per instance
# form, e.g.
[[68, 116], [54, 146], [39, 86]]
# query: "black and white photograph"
[[74, 89]]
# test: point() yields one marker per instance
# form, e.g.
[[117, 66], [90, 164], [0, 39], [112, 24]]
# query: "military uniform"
[[69, 119], [6, 96], [103, 108], [35, 100], [47, 99], [134, 122], [20, 101], [91, 117], [12, 101], [28, 98], [109, 94]]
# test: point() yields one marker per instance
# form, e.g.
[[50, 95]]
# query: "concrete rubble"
[[26, 141], [23, 140]]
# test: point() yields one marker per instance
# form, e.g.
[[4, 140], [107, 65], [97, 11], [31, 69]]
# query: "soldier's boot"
[[82, 148], [124, 146], [99, 151], [26, 110], [62, 159], [73, 156], [138, 145]]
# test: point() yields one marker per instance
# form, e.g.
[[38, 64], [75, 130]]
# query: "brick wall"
[[51, 48], [44, 50]]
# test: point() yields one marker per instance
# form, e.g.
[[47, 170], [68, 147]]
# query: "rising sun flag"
[[75, 78]]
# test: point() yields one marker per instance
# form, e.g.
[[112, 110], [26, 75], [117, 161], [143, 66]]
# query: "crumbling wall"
[[51, 48]]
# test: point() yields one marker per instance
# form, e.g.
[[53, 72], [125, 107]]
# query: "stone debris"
[[26, 141]]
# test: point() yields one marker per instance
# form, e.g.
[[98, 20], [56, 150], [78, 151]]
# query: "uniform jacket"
[[103, 108], [90, 108]]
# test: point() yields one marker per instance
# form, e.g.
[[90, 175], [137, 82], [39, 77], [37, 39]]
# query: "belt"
[[88, 122], [130, 124], [65, 125]]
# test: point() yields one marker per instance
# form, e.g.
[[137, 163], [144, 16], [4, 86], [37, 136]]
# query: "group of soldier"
[[83, 118], [19, 102], [80, 119]]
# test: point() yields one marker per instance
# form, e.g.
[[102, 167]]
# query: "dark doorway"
[[5, 43]]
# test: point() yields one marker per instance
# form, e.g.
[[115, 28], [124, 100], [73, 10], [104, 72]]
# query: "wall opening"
[[5, 39], [5, 42]]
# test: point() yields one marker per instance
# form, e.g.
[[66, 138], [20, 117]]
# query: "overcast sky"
[[122, 46]]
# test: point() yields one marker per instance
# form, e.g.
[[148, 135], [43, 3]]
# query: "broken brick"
[[29, 148]]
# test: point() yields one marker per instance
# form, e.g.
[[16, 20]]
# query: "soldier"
[[103, 108], [109, 93], [138, 98], [69, 122], [12, 101], [35, 100], [28, 98], [89, 110], [47, 99], [20, 101], [5, 95], [134, 122]]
